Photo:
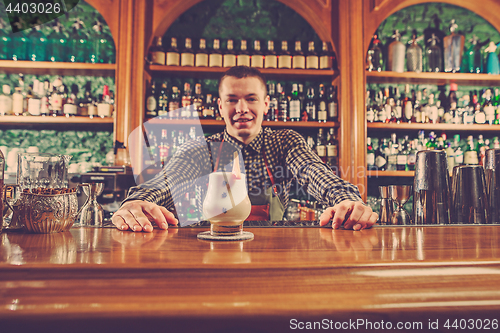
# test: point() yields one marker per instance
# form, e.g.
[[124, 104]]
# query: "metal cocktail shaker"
[[386, 205], [492, 176], [431, 188]]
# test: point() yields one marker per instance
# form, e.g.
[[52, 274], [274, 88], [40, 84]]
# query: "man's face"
[[243, 104]]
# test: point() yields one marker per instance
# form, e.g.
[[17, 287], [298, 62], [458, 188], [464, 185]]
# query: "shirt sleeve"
[[307, 167], [190, 162]]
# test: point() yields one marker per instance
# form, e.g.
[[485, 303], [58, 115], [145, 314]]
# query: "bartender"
[[272, 159]]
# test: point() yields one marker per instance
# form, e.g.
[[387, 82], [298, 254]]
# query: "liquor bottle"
[[482, 146], [5, 42], [396, 50], [407, 106], [459, 153], [105, 106], [172, 56], [381, 155], [322, 105], [192, 213], [433, 113], [370, 113], [70, 108], [243, 58], [187, 54], [257, 57], [380, 115], [392, 158], [332, 148], [312, 114], [332, 104], [45, 101], [327, 58], [453, 45], [208, 108], [174, 104], [163, 101], [164, 148], [33, 102], [312, 59], [302, 98], [56, 98], [197, 109], [84, 103], [215, 57], [295, 104], [474, 57], [78, 40], [201, 57], [298, 58], [270, 58], [282, 103], [370, 155], [442, 103], [388, 105], [496, 105], [402, 156], [102, 45], [321, 145], [450, 157], [417, 107], [58, 43], [375, 58], [489, 109], [470, 154], [37, 49], [434, 55], [229, 58], [284, 58], [151, 101], [414, 55], [479, 115], [412, 155], [186, 102], [273, 112], [5, 101], [19, 42]]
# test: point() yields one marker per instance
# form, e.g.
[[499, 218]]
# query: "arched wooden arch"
[[376, 11], [318, 13], [109, 9]]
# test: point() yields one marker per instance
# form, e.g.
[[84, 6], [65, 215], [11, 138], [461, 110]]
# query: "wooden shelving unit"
[[434, 127], [34, 120], [215, 72], [433, 78], [56, 68], [220, 123], [376, 173]]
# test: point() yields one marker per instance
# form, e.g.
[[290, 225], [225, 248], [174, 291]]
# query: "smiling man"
[[272, 159]]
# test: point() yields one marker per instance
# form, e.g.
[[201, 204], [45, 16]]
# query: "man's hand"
[[354, 214], [137, 215]]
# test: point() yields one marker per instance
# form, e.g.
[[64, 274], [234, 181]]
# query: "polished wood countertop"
[[92, 279]]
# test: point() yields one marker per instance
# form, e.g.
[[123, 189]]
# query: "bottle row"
[[163, 144], [55, 99], [442, 53], [424, 106], [395, 153], [229, 56], [58, 45], [294, 105]]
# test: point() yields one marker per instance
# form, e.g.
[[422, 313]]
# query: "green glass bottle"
[[5, 42], [78, 48], [101, 44], [37, 44], [58, 43], [19, 44]]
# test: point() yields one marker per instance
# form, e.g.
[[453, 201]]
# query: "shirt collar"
[[255, 145]]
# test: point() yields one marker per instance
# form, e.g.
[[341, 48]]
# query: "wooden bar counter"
[[286, 279]]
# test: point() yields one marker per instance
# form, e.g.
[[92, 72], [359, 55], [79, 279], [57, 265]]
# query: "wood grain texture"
[[91, 278]]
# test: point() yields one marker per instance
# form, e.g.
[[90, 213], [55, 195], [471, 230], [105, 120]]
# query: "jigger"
[[492, 175], [400, 195], [431, 188], [386, 205]]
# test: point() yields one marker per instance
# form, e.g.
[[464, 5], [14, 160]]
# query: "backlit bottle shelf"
[[48, 120]]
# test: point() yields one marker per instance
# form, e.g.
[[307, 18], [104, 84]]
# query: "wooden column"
[[352, 93]]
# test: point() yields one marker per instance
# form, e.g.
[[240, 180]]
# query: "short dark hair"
[[241, 72]]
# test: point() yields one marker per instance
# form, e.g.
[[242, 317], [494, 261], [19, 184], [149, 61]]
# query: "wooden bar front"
[[102, 279]]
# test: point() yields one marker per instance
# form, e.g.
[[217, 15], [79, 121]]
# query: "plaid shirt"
[[288, 157]]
